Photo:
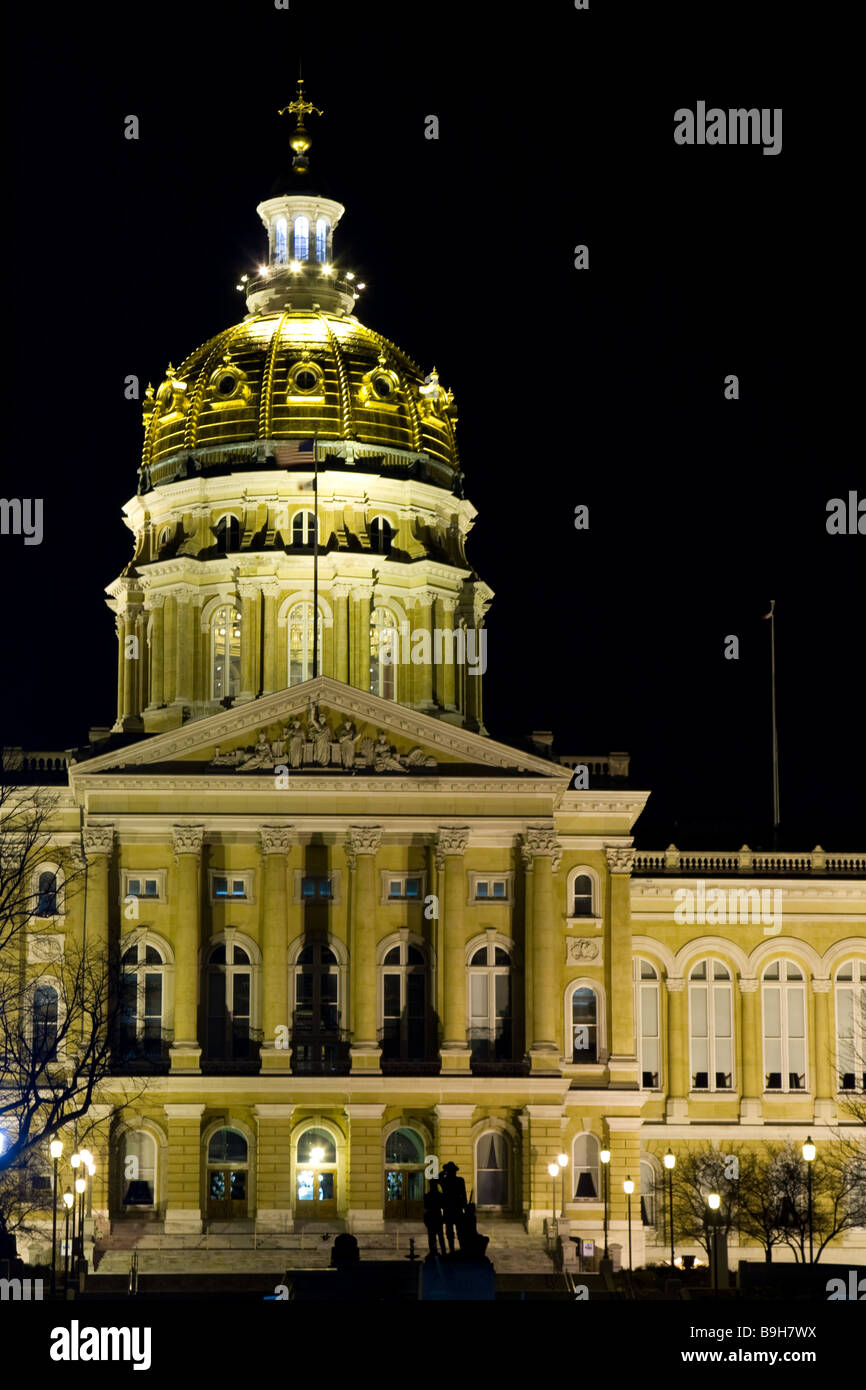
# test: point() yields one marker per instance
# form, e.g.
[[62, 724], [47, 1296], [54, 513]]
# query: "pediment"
[[321, 726]]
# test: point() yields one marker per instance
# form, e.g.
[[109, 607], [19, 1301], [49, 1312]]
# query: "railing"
[[38, 760], [748, 861]]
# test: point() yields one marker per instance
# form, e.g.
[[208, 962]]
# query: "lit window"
[[585, 1169], [851, 1025], [142, 888], [647, 1194], [304, 529], [784, 996], [302, 238], [229, 887], [137, 1169], [316, 887], [711, 1026], [646, 1006], [226, 653], [281, 246], [321, 239], [491, 888], [383, 647], [404, 887], [301, 638]]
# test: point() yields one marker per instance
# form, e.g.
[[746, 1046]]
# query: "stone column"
[[141, 663], [753, 1052], [98, 847], [272, 682], [340, 600], [274, 1196], [249, 645], [423, 683], [183, 1185], [454, 1139], [542, 1141], [624, 1145], [445, 683], [362, 842], [156, 604], [170, 649], [186, 1051], [541, 855], [361, 598], [366, 1171], [183, 648], [276, 1053], [619, 977], [451, 843], [120, 629], [822, 1048], [678, 1051], [131, 659]]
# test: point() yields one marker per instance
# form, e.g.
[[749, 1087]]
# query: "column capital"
[[275, 839], [274, 1112], [362, 591], [675, 984], [821, 986], [449, 605], [540, 842], [620, 858], [98, 839], [364, 1112], [187, 839], [748, 986], [455, 1112], [152, 600], [271, 588], [450, 839], [362, 839], [184, 1112], [340, 589]]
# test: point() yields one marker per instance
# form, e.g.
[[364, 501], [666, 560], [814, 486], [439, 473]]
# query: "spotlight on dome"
[[294, 265], [263, 270], [244, 279], [361, 285], [238, 287], [326, 269], [350, 274]]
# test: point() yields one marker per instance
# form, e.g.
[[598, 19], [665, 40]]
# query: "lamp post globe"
[[562, 1160], [604, 1157], [809, 1152], [670, 1161]]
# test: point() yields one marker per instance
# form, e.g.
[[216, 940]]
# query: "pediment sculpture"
[[311, 743]]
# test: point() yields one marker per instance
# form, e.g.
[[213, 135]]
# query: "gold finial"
[[300, 107]]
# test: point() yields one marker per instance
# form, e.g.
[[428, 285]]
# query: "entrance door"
[[404, 1194], [226, 1193], [316, 1194]]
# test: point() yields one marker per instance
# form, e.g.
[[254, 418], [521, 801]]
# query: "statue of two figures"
[[313, 742], [446, 1211]]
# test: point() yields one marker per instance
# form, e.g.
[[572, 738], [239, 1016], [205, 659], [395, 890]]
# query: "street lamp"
[[553, 1170], [628, 1189], [80, 1186], [809, 1152], [75, 1161], [714, 1201], [68, 1199], [605, 1161], [562, 1160], [669, 1161], [55, 1148]]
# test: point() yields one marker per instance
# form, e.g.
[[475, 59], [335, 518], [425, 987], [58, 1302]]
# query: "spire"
[[300, 139]]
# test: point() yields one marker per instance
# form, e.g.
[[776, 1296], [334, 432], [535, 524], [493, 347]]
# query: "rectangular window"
[[225, 887], [403, 887], [485, 888], [491, 888], [148, 883], [316, 887]]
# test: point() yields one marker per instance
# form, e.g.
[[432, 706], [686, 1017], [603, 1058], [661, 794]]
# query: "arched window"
[[228, 534], [228, 1171], [142, 1002], [647, 1193], [381, 535], [404, 1004], [138, 1169], [581, 902], [321, 239], [586, 1151], [404, 1175], [383, 653], [302, 238], [851, 1025], [226, 653], [301, 638], [304, 529], [646, 1013], [492, 1170], [316, 1024], [316, 1146], [46, 894], [229, 991], [281, 241], [227, 1146], [784, 992], [490, 1018], [45, 1015], [584, 1025], [711, 1026], [316, 1170]]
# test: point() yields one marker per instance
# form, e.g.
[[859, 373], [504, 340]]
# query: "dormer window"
[[381, 535], [302, 238]]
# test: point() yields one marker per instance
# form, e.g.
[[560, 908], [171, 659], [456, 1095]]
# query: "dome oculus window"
[[305, 378], [383, 387]]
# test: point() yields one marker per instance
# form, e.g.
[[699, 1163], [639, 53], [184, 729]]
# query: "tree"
[[838, 1195], [700, 1170]]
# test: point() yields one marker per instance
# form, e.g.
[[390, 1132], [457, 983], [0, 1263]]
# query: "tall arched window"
[[383, 652], [226, 653], [490, 1021], [229, 979], [784, 992], [584, 1025], [647, 1193], [46, 894], [711, 1026], [316, 1024], [586, 1180], [404, 1175], [227, 1172], [301, 638], [137, 1170], [381, 535], [404, 1004], [302, 238], [281, 241], [304, 529], [492, 1170], [45, 1017], [228, 534], [646, 1013], [316, 1170], [581, 905], [321, 239], [142, 1002], [851, 1025]]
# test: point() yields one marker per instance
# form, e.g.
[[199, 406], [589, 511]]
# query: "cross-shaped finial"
[[300, 107]]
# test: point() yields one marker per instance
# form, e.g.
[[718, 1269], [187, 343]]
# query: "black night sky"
[[602, 387]]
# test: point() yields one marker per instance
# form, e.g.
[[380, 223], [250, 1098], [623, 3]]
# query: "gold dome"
[[238, 400]]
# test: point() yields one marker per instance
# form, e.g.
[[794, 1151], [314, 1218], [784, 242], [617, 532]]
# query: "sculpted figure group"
[[316, 744]]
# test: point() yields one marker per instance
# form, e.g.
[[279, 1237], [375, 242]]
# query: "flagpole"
[[316, 563], [776, 812]]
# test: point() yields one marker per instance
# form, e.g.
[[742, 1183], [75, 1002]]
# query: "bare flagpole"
[[316, 562], [776, 812]]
